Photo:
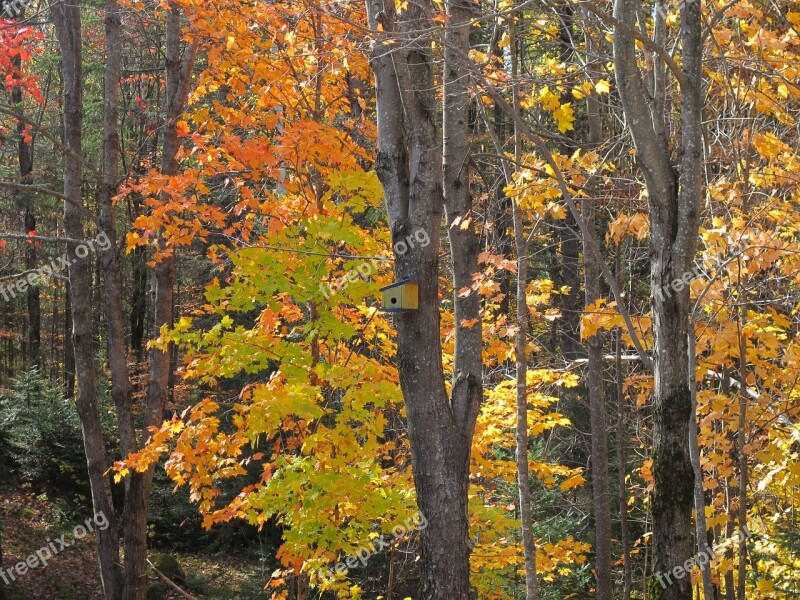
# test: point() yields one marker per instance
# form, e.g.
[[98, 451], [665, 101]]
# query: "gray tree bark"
[[741, 567], [135, 566], [595, 384], [67, 21], [68, 374], [597, 410], [622, 491], [416, 183], [520, 351], [701, 528], [110, 259], [674, 197], [25, 160], [567, 267]]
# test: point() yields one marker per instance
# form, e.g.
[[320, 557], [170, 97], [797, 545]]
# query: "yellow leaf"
[[477, 56], [764, 585], [565, 117], [602, 87], [637, 224], [120, 474], [572, 482], [579, 93], [548, 99]]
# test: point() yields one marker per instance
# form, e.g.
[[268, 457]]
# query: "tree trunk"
[[741, 447], [33, 300], [67, 21], [730, 585], [138, 301], [409, 165], [25, 159], [674, 198], [112, 272], [179, 65], [597, 411], [624, 537], [568, 268], [134, 525], [69, 350], [9, 353], [595, 384], [701, 528], [523, 470], [520, 350]]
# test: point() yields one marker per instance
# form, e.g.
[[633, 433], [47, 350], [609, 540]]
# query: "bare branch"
[[37, 238], [662, 53], [544, 151], [42, 272], [55, 141]]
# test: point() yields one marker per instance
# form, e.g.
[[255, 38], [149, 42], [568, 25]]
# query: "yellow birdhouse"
[[400, 296]]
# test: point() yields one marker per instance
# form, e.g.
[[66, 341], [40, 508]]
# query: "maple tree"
[[266, 168]]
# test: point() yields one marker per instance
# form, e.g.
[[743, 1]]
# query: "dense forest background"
[[594, 205]]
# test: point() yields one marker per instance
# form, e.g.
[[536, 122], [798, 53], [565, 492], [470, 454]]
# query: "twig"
[[169, 582]]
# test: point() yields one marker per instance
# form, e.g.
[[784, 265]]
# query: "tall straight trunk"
[[54, 322], [25, 160], [500, 210], [595, 384], [523, 470], [110, 259], [464, 239], [179, 65], [463, 233], [135, 568], [67, 21], [730, 584], [520, 350], [741, 448], [674, 197], [622, 491], [32, 296], [68, 375], [597, 411], [569, 274], [9, 353], [568, 267], [138, 301], [701, 528], [409, 165]]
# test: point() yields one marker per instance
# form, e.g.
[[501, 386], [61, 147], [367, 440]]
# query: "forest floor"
[[29, 522]]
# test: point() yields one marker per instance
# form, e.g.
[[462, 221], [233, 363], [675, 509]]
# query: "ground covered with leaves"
[[29, 521]]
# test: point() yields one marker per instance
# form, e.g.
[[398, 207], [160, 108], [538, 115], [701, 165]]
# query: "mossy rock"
[[157, 591], [169, 567]]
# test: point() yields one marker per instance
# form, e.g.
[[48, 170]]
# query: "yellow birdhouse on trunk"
[[400, 296]]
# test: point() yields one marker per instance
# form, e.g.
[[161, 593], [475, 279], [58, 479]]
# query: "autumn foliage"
[[286, 382]]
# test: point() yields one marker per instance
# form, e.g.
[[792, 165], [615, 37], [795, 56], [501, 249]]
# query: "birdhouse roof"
[[398, 284]]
